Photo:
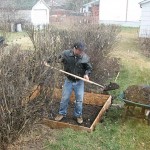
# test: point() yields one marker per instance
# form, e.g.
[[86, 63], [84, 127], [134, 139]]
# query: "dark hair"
[[79, 45]]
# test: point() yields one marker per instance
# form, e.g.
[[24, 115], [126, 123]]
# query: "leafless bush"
[[20, 71], [99, 41], [4, 28], [145, 46]]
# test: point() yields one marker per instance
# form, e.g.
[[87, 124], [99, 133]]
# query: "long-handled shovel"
[[46, 64]]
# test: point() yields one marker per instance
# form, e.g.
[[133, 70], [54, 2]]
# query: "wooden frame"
[[89, 98]]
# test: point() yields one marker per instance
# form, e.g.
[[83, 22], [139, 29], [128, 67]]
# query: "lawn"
[[20, 38], [135, 67], [114, 133]]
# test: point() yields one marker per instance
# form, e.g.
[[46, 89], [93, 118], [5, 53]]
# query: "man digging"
[[76, 62]]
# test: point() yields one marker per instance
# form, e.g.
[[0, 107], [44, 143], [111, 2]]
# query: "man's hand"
[[86, 77]]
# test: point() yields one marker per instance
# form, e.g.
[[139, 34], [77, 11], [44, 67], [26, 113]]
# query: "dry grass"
[[35, 139], [21, 39], [128, 50]]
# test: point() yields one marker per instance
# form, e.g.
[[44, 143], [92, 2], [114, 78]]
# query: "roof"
[[43, 1], [143, 2], [18, 4], [25, 4]]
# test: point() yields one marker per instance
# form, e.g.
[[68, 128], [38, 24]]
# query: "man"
[[76, 62]]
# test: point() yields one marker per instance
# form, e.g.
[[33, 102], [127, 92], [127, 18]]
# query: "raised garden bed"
[[94, 107]]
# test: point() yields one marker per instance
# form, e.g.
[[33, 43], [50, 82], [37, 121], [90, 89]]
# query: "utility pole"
[[126, 10]]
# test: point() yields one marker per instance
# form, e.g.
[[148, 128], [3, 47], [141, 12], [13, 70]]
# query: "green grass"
[[112, 134], [134, 66], [115, 133]]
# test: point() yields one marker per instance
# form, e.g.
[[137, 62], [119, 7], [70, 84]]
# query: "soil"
[[138, 94], [90, 112]]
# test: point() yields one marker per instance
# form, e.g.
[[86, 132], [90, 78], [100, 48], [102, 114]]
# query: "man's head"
[[79, 48]]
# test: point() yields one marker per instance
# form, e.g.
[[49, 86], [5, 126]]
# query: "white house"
[[145, 19], [40, 13], [122, 12]]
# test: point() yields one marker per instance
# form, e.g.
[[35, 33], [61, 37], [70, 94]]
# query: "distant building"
[[40, 13], [121, 12], [91, 11], [21, 11], [16, 11], [91, 8], [145, 19]]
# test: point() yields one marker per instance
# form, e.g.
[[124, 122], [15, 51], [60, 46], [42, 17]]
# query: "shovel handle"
[[46, 64]]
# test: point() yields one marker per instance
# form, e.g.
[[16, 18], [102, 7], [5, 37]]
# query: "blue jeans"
[[78, 88]]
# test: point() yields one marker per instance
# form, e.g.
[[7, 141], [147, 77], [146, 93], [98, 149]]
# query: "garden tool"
[[108, 87], [46, 64]]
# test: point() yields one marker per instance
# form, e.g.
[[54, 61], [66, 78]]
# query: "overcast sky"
[[116, 10]]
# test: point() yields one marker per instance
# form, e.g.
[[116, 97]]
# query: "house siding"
[[145, 20], [24, 15], [120, 12], [15, 16], [42, 12]]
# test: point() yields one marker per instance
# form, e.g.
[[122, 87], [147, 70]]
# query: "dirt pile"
[[138, 94]]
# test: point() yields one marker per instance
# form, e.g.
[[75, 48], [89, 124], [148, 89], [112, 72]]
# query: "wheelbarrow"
[[130, 108]]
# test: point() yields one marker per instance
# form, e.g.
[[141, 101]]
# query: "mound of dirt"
[[138, 93]]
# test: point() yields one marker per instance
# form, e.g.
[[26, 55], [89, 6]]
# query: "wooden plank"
[[89, 98], [35, 92], [59, 125], [101, 113]]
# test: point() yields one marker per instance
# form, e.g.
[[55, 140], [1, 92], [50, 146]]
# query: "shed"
[[40, 13], [122, 12], [16, 11], [145, 19]]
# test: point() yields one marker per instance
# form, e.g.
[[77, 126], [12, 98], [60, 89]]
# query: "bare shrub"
[[99, 40], [4, 28], [145, 46], [20, 71]]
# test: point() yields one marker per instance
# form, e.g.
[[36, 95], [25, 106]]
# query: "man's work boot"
[[59, 117], [79, 120]]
